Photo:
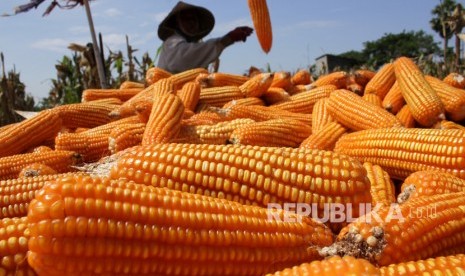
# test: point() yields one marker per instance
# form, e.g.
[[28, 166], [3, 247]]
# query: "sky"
[[303, 30]]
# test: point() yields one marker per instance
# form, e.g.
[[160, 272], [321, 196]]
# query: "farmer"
[[181, 32]]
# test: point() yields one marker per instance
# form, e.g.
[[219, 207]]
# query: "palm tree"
[[438, 23], [456, 23]]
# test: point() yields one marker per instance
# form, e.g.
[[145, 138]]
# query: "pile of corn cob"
[[194, 160]]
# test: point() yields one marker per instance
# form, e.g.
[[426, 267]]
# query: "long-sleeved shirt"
[[178, 55]]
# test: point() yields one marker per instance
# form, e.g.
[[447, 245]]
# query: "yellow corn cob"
[[272, 133], [320, 115], [249, 174], [224, 79], [337, 78], [405, 117], [302, 76], [256, 85], [275, 95], [455, 79], [88, 114], [427, 183], [423, 227], [29, 133], [219, 96], [131, 84], [17, 193], [263, 113], [35, 169], [165, 119], [190, 94], [82, 225], [14, 237], [402, 151], [179, 79], [325, 138], [98, 94], [357, 114], [281, 79], [445, 124], [381, 186], [363, 76], [155, 74], [394, 101], [112, 101], [373, 98], [443, 265], [245, 101], [452, 98], [331, 266], [262, 23], [206, 117], [218, 133], [125, 136], [60, 161], [303, 102], [382, 81], [424, 102]]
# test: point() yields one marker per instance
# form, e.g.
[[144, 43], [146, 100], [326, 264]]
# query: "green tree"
[[391, 46], [439, 22]]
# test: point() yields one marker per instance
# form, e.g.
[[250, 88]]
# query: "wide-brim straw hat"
[[168, 26]]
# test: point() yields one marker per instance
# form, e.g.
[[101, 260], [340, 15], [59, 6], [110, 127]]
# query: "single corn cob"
[[394, 101], [281, 79], [190, 95], [427, 183], [60, 161], [17, 193], [14, 237], [224, 79], [445, 124], [131, 84], [325, 138], [264, 113], [405, 117], [165, 119], [373, 98], [257, 85], [250, 175], [36, 169], [421, 228], [179, 79], [363, 76], [29, 133], [219, 96], [82, 225], [91, 144], [99, 94], [320, 115], [402, 151], [443, 265], [262, 23], [424, 102], [155, 74], [272, 133], [88, 114], [125, 136], [303, 102], [302, 76], [455, 79], [381, 186], [452, 98], [128, 108], [111, 101], [331, 266], [206, 117], [337, 78], [245, 101], [357, 114], [275, 95], [217, 134], [382, 81]]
